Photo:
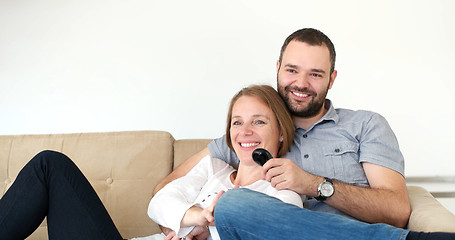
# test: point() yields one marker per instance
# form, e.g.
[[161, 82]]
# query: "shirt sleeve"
[[219, 149], [170, 204], [290, 197], [379, 145]]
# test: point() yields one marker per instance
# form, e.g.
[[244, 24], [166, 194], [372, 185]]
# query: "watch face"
[[327, 189]]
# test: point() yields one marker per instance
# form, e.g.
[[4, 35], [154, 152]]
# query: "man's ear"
[[277, 66], [332, 78]]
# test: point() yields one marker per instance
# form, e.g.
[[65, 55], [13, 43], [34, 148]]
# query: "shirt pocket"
[[344, 158], [340, 149]]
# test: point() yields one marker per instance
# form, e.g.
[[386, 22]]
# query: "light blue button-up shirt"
[[335, 147]]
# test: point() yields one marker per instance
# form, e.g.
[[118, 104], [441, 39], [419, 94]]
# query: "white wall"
[[92, 65]]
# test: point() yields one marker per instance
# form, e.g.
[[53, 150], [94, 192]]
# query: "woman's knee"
[[236, 201], [50, 157]]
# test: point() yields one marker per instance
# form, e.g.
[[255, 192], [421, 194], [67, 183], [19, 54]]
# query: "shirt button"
[[337, 150], [306, 156], [305, 136]]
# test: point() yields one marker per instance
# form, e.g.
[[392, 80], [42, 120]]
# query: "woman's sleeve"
[[170, 204], [290, 197]]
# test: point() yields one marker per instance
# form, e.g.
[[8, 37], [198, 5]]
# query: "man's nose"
[[301, 81]]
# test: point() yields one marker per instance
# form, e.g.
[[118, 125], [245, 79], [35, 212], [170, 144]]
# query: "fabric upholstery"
[[427, 214]]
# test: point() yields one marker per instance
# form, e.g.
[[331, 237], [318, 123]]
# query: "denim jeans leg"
[[250, 215], [51, 185]]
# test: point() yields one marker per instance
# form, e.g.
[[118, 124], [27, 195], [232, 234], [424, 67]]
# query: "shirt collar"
[[330, 115]]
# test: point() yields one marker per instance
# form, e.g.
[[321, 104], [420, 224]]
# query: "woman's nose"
[[247, 130]]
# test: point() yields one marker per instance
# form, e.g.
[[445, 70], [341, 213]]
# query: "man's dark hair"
[[312, 37]]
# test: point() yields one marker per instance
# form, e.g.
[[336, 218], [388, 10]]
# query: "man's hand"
[[283, 173]]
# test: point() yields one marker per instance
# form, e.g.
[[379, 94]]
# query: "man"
[[345, 162]]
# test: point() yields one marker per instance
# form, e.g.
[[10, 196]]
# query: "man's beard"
[[314, 106]]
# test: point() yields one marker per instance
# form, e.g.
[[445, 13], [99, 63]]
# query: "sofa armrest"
[[427, 214]]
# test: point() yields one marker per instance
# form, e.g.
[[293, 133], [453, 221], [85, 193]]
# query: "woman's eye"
[[260, 122], [236, 123]]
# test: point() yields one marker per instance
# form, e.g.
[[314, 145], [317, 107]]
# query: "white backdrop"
[[93, 65]]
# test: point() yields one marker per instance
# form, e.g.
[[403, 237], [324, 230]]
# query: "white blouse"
[[198, 188]]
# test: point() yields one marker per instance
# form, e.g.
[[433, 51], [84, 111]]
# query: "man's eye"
[[291, 70], [316, 75]]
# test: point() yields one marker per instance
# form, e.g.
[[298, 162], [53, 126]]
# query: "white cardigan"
[[198, 188]]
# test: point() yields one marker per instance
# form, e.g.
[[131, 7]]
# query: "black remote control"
[[260, 156]]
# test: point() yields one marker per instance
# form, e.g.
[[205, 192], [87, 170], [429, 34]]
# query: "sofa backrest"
[[183, 149], [123, 167]]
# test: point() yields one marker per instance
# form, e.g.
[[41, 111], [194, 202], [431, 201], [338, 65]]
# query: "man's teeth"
[[300, 94], [248, 144]]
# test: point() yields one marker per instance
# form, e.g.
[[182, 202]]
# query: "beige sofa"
[[124, 167]]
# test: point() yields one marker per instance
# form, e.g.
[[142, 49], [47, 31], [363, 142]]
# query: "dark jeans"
[[51, 185]]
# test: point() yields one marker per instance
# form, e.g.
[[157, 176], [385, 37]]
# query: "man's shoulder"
[[349, 115]]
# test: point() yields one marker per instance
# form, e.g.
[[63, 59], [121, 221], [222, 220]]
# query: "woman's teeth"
[[248, 144]]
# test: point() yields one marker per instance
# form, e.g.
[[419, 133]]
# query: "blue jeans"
[[51, 185], [245, 214]]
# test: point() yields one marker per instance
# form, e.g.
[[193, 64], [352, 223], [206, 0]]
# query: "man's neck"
[[306, 122]]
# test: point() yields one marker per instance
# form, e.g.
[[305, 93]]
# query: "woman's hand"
[[207, 212], [170, 235], [198, 233], [196, 216]]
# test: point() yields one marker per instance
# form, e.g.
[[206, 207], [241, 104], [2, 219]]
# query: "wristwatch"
[[325, 189]]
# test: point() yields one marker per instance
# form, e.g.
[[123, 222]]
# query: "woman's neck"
[[247, 174]]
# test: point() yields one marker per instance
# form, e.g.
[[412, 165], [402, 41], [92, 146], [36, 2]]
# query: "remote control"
[[260, 156]]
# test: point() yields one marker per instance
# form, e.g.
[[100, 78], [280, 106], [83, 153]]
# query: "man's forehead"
[[296, 52]]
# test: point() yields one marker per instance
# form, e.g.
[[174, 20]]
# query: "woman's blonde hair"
[[273, 100]]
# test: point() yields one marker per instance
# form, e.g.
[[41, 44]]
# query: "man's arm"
[[385, 201], [183, 169]]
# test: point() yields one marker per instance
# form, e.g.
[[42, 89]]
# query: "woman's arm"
[[170, 204]]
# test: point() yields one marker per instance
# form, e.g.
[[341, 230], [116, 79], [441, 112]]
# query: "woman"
[[257, 118]]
